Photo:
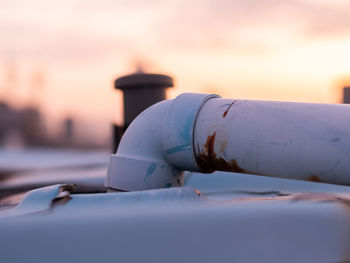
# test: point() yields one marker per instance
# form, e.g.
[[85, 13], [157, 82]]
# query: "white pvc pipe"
[[281, 139], [200, 132], [158, 146]]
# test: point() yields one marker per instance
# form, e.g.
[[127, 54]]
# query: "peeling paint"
[[150, 171], [42, 200], [178, 148], [63, 196], [186, 130], [60, 201]]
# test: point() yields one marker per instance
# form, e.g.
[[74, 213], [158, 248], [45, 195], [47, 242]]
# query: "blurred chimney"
[[68, 130], [346, 95], [140, 90]]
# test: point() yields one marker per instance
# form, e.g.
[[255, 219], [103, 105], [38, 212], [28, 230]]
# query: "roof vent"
[[140, 91]]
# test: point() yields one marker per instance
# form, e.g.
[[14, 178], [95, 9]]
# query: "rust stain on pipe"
[[226, 111], [209, 161]]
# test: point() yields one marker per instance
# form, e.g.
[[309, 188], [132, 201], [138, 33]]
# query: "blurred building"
[[140, 91], [21, 127], [26, 127]]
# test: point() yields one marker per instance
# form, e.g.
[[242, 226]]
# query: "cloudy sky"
[[296, 50]]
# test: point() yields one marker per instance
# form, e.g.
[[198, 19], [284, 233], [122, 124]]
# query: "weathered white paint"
[[279, 139], [199, 132], [158, 146], [180, 225]]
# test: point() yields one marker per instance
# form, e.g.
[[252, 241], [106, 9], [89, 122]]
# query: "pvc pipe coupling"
[[201, 132]]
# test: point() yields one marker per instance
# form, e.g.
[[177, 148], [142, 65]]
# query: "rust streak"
[[209, 145], [226, 111], [209, 161], [314, 178]]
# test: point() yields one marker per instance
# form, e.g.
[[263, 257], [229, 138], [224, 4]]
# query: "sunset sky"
[[290, 50]]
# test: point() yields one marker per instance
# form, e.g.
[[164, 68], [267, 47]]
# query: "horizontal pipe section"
[[280, 139]]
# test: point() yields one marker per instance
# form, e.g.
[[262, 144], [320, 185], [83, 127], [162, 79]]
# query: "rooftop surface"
[[218, 217]]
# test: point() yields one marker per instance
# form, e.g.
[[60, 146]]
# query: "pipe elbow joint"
[[157, 147]]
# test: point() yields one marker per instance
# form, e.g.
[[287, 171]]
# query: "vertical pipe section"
[[280, 139]]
